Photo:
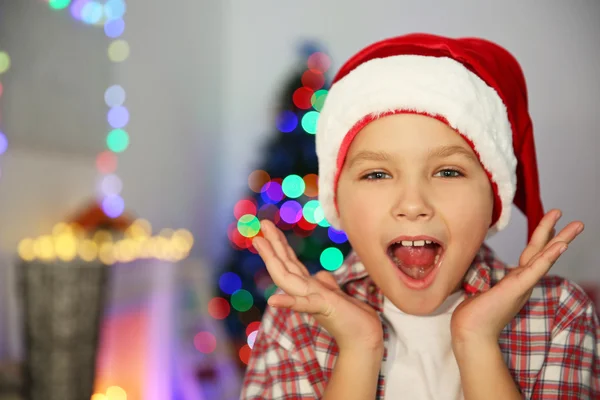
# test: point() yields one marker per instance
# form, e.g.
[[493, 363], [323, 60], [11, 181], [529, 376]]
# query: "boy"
[[423, 143]]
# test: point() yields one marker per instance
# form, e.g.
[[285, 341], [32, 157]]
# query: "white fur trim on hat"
[[432, 85]]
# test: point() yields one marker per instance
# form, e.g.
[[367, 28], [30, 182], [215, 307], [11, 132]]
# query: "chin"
[[418, 307]]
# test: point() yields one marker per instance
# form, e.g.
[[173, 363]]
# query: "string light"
[[4, 67], [108, 14], [68, 242]]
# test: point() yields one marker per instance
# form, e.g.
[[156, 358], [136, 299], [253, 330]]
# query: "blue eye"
[[450, 173], [375, 176]]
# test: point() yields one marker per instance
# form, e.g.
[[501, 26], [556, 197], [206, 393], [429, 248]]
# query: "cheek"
[[359, 207], [468, 210]]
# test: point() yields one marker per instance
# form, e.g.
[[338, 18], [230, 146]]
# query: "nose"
[[412, 203]]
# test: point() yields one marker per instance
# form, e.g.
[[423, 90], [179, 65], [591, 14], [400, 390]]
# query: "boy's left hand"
[[481, 318]]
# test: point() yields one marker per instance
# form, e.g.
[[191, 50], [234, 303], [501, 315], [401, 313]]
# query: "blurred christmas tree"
[[283, 190]]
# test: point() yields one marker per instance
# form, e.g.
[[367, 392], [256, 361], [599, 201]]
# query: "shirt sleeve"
[[572, 366], [273, 373]]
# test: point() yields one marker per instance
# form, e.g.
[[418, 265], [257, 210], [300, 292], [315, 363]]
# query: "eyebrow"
[[438, 152], [447, 151]]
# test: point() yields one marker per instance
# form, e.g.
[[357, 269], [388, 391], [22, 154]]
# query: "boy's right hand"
[[353, 324]]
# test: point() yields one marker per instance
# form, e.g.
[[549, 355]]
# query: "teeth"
[[418, 243]]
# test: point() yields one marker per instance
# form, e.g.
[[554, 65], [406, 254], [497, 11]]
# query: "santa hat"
[[473, 85]]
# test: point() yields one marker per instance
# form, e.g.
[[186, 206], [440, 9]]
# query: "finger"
[[530, 275], [541, 236], [289, 282], [281, 247], [292, 254], [568, 233], [313, 303]]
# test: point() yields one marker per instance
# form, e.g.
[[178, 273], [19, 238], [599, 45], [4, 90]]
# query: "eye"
[[375, 176], [449, 173]]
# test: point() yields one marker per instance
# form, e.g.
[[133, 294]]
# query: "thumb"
[[327, 279]]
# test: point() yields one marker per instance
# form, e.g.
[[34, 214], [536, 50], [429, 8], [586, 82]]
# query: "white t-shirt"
[[420, 363]]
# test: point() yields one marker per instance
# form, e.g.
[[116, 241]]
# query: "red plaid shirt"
[[552, 347]]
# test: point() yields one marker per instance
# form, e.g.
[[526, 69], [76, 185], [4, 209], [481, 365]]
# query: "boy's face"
[[391, 187]]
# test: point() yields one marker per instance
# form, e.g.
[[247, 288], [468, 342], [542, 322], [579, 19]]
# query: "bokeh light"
[[242, 300], [331, 258], [286, 121], [243, 207], [245, 353], [291, 211], [302, 98], [3, 143], [106, 162], [271, 192], [114, 9], [118, 50], [336, 236], [270, 212], [114, 28], [76, 9], [318, 99], [92, 12], [113, 206], [257, 179], [114, 96], [309, 122], [111, 185], [313, 79], [270, 290], [118, 117], [230, 282], [205, 342], [117, 140], [59, 4], [252, 338], [248, 225], [319, 61], [116, 393], [311, 183], [311, 211], [252, 326], [293, 186], [4, 62], [218, 308]]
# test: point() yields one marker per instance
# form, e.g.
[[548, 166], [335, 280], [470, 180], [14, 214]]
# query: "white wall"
[[555, 41], [173, 85]]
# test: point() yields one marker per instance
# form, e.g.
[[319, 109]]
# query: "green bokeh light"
[[248, 225], [309, 122], [331, 258], [242, 300], [117, 140], [313, 212], [59, 4], [270, 290], [318, 99], [293, 186]]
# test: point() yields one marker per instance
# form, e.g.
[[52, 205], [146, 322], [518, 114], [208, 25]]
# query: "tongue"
[[422, 256]]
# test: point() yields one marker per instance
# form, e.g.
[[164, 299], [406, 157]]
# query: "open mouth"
[[415, 258]]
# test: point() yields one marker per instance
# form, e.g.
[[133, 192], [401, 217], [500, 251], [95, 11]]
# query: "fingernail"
[[563, 249], [255, 244], [580, 229]]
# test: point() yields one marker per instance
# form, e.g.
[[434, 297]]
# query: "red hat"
[[473, 85]]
